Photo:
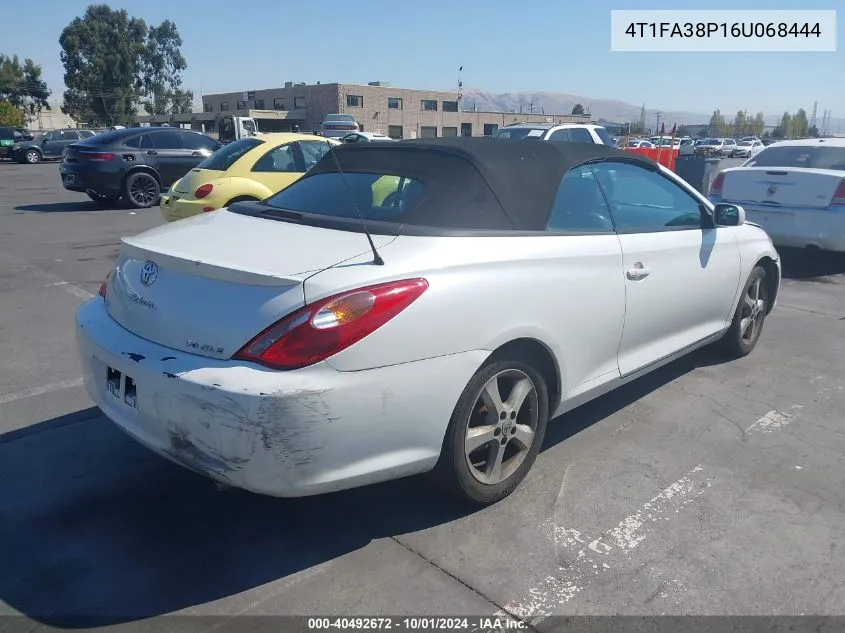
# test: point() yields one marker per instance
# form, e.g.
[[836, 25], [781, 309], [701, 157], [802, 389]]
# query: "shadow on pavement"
[[96, 530], [70, 207], [807, 265]]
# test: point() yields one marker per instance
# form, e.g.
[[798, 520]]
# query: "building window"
[[450, 131], [429, 104], [224, 105], [490, 128], [450, 106], [354, 101], [394, 131], [298, 103], [241, 105], [466, 129], [208, 107], [259, 104], [394, 103], [278, 104], [428, 131]]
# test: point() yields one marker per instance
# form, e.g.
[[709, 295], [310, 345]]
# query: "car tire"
[[464, 472], [30, 157], [141, 190], [753, 305]]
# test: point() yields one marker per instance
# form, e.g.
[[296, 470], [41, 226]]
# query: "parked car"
[[252, 168], [710, 147], [49, 146], [640, 144], [687, 147], [338, 125], [567, 132], [365, 137], [728, 147], [793, 189], [746, 149], [315, 341], [135, 164], [7, 140]]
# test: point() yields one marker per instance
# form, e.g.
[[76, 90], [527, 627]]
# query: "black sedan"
[[135, 164]]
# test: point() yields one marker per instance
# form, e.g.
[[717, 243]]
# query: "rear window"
[[229, 154], [604, 136], [519, 132], [379, 197], [6, 133], [801, 156]]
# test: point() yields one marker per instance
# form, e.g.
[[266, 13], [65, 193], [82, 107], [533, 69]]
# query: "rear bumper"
[[101, 182], [283, 434], [180, 208]]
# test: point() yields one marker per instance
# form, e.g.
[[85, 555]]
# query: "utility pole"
[[657, 124], [531, 108], [460, 87]]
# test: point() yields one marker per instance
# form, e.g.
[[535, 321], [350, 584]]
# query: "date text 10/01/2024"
[[723, 29]]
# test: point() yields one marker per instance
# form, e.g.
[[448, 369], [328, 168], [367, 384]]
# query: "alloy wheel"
[[501, 428], [32, 156], [143, 191], [753, 310]]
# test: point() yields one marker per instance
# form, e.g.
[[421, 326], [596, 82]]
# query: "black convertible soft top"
[[476, 182]]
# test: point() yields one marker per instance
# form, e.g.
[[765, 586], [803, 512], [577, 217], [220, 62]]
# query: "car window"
[[70, 135], [85, 133], [226, 156], [6, 133], [134, 141], [579, 206], [813, 156], [604, 136], [197, 141], [280, 159], [166, 139], [312, 152], [645, 201], [519, 132]]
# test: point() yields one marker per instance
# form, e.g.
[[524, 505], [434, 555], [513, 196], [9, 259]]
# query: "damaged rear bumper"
[[281, 433]]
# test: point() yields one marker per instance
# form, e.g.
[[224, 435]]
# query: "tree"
[[10, 115], [578, 109], [813, 131], [800, 125], [785, 126], [739, 124], [21, 85], [113, 60], [758, 124], [637, 127], [718, 126], [162, 67], [683, 130]]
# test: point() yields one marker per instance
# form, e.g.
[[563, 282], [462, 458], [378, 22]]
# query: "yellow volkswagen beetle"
[[252, 168]]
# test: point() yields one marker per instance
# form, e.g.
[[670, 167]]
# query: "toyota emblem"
[[149, 273]]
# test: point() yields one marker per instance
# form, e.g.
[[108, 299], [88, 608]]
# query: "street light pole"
[[460, 86]]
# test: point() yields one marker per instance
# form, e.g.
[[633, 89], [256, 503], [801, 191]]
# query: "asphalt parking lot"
[[706, 488]]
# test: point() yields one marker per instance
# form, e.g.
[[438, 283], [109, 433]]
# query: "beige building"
[[377, 107]]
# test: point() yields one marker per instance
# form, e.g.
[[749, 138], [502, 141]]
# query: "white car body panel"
[[380, 408]]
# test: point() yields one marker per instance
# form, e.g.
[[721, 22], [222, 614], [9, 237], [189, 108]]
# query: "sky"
[[533, 45]]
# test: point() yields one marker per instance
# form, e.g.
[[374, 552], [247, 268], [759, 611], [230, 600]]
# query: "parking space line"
[[593, 556], [45, 276], [37, 391]]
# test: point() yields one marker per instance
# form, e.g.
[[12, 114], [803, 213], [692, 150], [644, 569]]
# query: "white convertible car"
[[318, 341]]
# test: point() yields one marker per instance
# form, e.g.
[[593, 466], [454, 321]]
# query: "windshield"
[[604, 136], [519, 132], [800, 156], [227, 155], [249, 126], [379, 197]]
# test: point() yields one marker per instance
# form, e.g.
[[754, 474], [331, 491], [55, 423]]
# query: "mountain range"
[[602, 109]]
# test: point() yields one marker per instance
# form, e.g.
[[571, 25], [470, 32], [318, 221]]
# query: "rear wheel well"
[[538, 356], [148, 170], [771, 269]]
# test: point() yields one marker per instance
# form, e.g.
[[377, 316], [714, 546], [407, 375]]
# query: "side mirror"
[[729, 215]]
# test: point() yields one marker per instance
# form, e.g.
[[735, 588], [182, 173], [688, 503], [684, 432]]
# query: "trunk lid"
[[778, 187], [209, 284], [189, 182]]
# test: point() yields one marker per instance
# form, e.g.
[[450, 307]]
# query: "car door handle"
[[196, 153], [152, 152], [638, 272]]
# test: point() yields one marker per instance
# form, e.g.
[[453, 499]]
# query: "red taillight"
[[717, 184], [318, 331], [838, 199], [97, 156], [104, 286], [203, 190]]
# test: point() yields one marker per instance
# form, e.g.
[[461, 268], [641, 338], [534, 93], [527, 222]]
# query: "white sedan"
[[334, 336], [793, 189]]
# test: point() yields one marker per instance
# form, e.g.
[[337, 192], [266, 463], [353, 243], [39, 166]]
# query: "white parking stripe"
[[595, 556], [52, 280], [772, 421], [37, 391]]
